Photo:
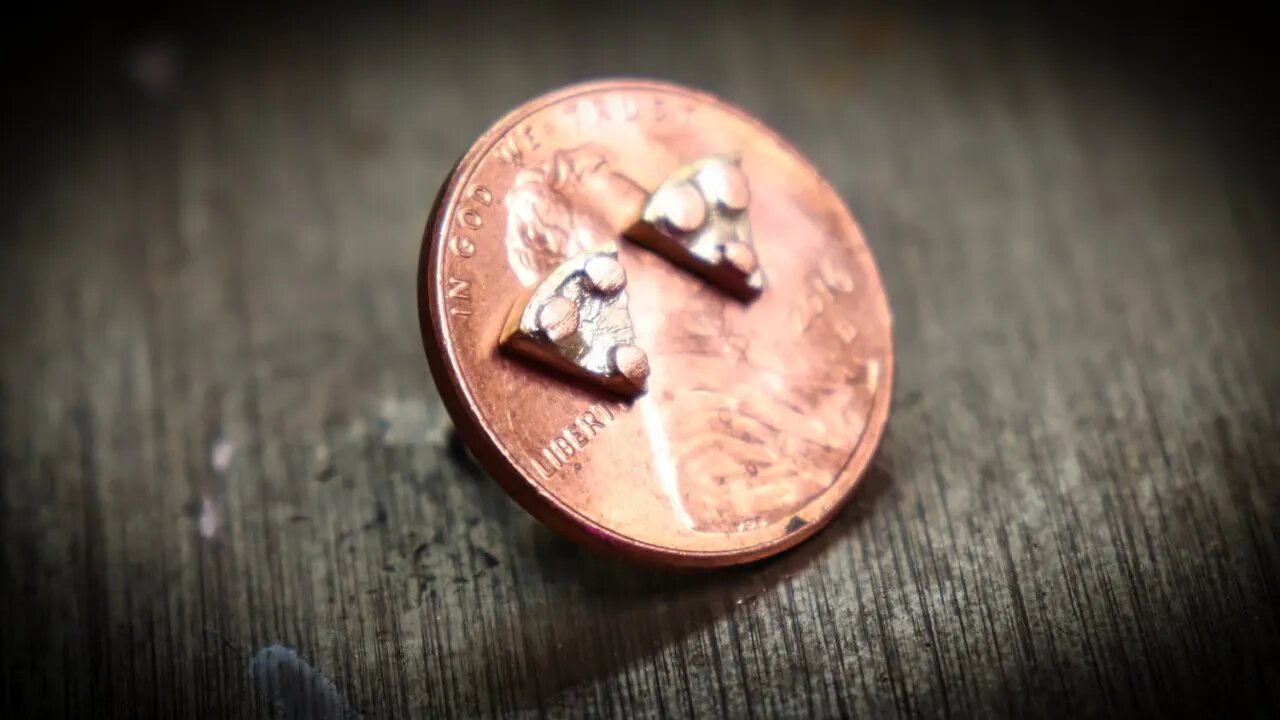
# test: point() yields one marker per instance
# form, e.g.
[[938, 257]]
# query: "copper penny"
[[759, 417]]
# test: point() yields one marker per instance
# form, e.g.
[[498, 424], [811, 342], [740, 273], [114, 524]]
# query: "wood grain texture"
[[229, 487]]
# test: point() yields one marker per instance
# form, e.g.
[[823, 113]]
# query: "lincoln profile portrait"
[[561, 207]]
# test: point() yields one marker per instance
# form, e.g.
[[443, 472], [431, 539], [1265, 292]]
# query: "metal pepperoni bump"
[[691, 412], [682, 207], [631, 362], [726, 184], [606, 275], [558, 318]]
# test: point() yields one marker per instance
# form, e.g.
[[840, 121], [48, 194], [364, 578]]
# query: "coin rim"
[[445, 370]]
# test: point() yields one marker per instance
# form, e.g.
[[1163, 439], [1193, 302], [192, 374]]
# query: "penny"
[[759, 417]]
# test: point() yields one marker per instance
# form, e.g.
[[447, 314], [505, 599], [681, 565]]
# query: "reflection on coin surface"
[[759, 417]]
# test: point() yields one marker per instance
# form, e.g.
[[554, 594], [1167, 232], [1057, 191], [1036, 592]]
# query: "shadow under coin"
[[584, 617]]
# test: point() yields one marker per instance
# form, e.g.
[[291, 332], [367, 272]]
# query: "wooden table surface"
[[230, 489]]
